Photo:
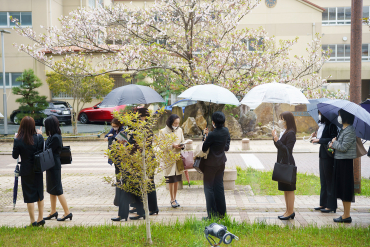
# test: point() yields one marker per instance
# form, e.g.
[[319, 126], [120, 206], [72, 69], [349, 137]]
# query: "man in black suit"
[[217, 141]]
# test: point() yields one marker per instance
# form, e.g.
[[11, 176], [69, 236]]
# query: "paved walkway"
[[91, 199]]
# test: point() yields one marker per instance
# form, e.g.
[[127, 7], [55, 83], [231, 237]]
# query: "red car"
[[98, 114]]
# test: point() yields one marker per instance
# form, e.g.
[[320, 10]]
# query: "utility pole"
[[2, 31], [355, 74]]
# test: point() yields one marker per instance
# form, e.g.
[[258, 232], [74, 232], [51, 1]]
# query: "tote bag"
[[285, 173]]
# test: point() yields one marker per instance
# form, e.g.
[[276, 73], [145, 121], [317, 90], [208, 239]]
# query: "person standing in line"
[[345, 151], [326, 132], [217, 141], [111, 136], [53, 175], [172, 174], [26, 144], [286, 141]]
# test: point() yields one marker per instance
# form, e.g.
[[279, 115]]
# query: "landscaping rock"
[[248, 122], [234, 127], [190, 127], [178, 111], [200, 120]]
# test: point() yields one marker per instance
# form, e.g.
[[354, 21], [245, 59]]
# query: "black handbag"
[[199, 165], [66, 155], [44, 160], [285, 173], [368, 152]]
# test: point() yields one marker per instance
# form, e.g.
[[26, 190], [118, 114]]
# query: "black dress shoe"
[[66, 217], [328, 210], [280, 216], [137, 217], [52, 216], [156, 212], [288, 217], [41, 223], [117, 219], [133, 211], [319, 208], [341, 220], [34, 224]]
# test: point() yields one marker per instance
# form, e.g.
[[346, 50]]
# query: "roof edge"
[[312, 5]]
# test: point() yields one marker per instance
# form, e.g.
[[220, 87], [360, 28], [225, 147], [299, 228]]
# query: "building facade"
[[284, 19]]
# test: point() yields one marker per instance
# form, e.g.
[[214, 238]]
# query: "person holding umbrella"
[[286, 141], [172, 174], [326, 132], [345, 152], [26, 144]]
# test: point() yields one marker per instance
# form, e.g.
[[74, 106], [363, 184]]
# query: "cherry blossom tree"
[[195, 42]]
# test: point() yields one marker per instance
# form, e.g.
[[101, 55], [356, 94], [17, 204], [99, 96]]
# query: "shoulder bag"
[[44, 160], [66, 155], [199, 164], [187, 159], [285, 173], [360, 149]]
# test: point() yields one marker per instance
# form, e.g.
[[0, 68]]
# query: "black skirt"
[[54, 182], [173, 179], [32, 187], [344, 181]]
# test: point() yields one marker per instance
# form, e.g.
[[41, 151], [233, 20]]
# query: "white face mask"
[[214, 126], [116, 128], [174, 127], [281, 124], [319, 117], [339, 119]]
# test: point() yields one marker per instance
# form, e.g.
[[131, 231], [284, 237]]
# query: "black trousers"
[[152, 201], [327, 198], [213, 180]]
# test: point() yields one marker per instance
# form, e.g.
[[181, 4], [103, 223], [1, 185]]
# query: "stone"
[[192, 111], [201, 121], [305, 124], [246, 144], [162, 119], [190, 127], [234, 127], [248, 121], [178, 111]]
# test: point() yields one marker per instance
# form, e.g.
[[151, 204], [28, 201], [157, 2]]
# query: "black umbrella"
[[131, 94], [15, 189]]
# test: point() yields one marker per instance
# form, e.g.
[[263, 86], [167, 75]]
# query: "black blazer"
[[330, 131], [217, 141], [55, 143], [287, 140], [27, 153]]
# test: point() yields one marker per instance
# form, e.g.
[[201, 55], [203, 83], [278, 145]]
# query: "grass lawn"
[[186, 234]]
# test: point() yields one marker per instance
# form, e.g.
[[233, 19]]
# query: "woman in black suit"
[[286, 141], [217, 141], [53, 175], [327, 131], [26, 144]]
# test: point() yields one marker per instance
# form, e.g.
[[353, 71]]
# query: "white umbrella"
[[1, 115], [275, 93], [210, 93]]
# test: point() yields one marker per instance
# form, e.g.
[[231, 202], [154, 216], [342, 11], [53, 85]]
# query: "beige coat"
[[172, 170]]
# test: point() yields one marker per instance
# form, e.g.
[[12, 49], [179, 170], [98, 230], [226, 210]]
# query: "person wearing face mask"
[[217, 141], [287, 140], [326, 132], [345, 151], [110, 137], [172, 174]]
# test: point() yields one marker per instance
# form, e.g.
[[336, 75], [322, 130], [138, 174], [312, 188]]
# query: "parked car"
[[60, 109], [181, 103], [98, 113]]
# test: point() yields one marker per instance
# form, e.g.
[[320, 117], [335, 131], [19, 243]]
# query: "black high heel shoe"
[[117, 219], [152, 213], [33, 225], [319, 208], [66, 217], [137, 217], [328, 210], [288, 217], [41, 223], [51, 216], [133, 211]]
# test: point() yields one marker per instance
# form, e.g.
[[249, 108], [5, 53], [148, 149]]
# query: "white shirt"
[[282, 133], [320, 130]]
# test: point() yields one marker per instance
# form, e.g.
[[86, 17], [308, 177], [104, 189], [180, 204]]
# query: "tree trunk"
[[145, 200]]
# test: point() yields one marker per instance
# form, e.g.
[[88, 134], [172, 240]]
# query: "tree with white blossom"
[[195, 42]]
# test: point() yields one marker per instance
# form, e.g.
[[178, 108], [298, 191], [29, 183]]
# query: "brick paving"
[[91, 199]]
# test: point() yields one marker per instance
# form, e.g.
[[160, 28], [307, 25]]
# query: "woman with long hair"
[[53, 175], [286, 141], [26, 144], [172, 174], [326, 132]]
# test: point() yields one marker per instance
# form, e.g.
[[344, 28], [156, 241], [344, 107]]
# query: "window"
[[10, 80], [24, 18], [342, 52], [92, 4], [341, 15], [61, 96]]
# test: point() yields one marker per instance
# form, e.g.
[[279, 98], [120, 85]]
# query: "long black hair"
[[52, 126], [170, 120], [323, 120]]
